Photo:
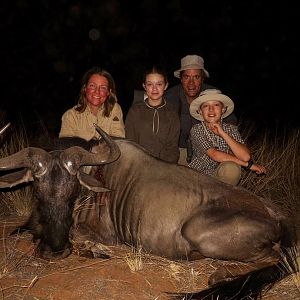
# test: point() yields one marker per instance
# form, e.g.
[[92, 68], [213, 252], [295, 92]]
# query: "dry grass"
[[17, 200], [11, 260], [189, 277], [30, 270], [289, 266], [134, 259], [279, 152]]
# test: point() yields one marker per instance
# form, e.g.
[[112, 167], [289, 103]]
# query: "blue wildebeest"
[[171, 210]]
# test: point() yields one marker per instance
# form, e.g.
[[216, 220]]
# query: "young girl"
[[152, 123], [97, 104], [218, 148]]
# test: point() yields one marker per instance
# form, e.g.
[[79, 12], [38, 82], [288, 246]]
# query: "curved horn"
[[4, 128], [75, 157], [114, 148], [32, 158]]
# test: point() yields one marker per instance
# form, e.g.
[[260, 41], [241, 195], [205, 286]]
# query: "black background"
[[250, 49]]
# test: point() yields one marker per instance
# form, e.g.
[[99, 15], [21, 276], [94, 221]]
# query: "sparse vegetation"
[[289, 268], [134, 258], [18, 200], [278, 151]]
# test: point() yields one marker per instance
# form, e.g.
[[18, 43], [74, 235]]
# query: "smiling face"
[[155, 85], [212, 111], [191, 81], [97, 91]]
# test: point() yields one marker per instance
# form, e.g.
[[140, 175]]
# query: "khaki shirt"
[[81, 125]]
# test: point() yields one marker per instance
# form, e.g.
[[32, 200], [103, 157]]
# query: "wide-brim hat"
[[208, 95], [191, 62]]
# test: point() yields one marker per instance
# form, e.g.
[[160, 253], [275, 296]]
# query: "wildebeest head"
[[57, 180]]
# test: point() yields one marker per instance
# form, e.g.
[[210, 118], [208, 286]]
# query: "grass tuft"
[[134, 259], [277, 150], [18, 200]]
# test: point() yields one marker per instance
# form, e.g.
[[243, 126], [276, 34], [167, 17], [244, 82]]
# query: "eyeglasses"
[[94, 87]]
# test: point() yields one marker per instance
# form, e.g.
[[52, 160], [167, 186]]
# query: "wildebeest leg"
[[91, 249], [237, 236], [86, 242], [85, 234]]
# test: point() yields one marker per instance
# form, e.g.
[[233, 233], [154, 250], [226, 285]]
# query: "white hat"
[[191, 62], [208, 95]]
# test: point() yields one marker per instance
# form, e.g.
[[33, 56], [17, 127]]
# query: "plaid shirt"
[[202, 139]]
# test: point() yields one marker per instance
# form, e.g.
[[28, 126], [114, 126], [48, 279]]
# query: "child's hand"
[[258, 169], [215, 128]]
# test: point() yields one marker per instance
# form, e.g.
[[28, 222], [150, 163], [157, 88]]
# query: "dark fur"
[[174, 211]]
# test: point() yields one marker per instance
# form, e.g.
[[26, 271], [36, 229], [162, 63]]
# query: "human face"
[[212, 111], [97, 91], [191, 81], [155, 86]]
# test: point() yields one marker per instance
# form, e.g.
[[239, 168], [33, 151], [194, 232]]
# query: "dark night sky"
[[250, 49]]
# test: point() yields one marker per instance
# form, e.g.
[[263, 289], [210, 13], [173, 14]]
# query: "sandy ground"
[[23, 276]]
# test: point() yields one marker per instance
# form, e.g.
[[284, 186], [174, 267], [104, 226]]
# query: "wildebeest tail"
[[251, 286], [247, 287]]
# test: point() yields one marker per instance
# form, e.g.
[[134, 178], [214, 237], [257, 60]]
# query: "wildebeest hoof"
[[92, 250], [65, 253], [219, 277], [47, 254]]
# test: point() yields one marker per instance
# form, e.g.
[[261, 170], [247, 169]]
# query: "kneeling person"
[[218, 148]]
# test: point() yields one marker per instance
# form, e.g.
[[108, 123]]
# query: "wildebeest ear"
[[91, 183], [15, 178]]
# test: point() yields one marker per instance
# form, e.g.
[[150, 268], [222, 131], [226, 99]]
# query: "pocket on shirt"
[[116, 128]]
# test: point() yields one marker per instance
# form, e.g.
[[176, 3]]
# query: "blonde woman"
[[97, 104]]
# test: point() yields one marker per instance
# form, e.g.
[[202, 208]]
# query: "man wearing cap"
[[218, 148]]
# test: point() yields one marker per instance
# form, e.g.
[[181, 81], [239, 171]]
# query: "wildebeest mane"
[[67, 142]]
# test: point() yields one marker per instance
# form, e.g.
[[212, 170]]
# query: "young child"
[[153, 123], [218, 148]]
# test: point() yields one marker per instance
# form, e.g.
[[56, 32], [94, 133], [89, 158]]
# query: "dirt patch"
[[23, 276]]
